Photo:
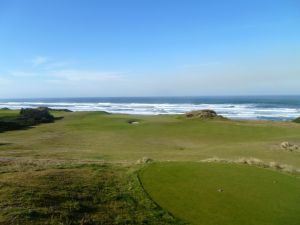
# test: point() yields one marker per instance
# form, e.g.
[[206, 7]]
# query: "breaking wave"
[[255, 111]]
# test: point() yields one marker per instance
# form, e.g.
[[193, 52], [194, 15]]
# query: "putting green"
[[224, 194]]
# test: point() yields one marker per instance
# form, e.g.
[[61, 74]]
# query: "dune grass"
[[227, 194]]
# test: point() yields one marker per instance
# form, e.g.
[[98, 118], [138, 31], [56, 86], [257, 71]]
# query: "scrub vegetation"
[[25, 119]]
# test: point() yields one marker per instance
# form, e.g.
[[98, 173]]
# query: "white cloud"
[[21, 74], [55, 65], [84, 75], [68, 75], [39, 60], [53, 71], [201, 64], [45, 63], [4, 81], [59, 78]]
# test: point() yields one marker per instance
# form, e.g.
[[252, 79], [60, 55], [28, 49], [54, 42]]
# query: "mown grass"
[[227, 194]]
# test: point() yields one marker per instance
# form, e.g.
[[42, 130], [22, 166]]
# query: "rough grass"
[[76, 194], [227, 194]]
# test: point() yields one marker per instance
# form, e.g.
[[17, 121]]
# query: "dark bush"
[[36, 116], [54, 110], [28, 117], [297, 120]]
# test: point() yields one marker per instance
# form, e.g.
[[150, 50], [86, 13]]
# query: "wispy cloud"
[[22, 74], [4, 81], [68, 75], [62, 71], [202, 64], [84, 75], [39, 60], [55, 65]]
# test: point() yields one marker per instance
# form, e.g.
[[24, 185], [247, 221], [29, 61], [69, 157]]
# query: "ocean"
[[236, 107]]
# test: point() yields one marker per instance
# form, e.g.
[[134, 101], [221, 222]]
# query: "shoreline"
[[250, 119], [284, 117]]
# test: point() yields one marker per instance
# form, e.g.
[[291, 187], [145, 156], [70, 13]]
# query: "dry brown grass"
[[256, 162]]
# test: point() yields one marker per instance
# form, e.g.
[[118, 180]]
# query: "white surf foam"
[[236, 111]]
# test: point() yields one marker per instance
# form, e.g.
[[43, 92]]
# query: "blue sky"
[[74, 48]]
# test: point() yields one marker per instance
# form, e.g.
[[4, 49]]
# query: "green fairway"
[[101, 136], [225, 194]]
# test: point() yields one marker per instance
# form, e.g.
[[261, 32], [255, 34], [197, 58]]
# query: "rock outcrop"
[[144, 160], [204, 114], [288, 146]]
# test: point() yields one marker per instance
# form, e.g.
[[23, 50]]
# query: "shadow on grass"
[[5, 129], [17, 125], [3, 144]]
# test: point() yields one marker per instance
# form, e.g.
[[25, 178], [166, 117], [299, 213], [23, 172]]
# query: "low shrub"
[[297, 120], [36, 116], [26, 118]]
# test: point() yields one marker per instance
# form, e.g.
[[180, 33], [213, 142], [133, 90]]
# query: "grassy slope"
[[100, 136], [7, 112], [251, 196], [90, 137]]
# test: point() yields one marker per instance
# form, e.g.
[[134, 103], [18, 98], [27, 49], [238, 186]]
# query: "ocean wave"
[[236, 111]]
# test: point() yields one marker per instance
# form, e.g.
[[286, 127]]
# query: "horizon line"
[[165, 96]]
